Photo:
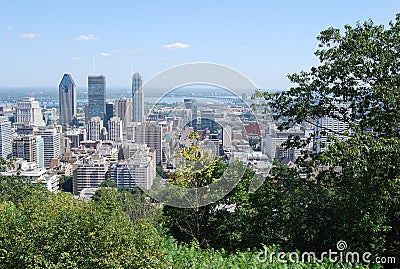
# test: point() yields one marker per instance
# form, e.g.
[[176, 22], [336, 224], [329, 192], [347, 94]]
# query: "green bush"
[[57, 231]]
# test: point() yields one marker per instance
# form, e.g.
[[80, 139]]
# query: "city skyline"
[[265, 41]]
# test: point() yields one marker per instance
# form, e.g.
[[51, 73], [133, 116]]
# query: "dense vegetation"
[[352, 190], [43, 230]]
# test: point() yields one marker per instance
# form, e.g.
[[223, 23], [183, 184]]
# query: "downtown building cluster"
[[51, 145], [117, 140]]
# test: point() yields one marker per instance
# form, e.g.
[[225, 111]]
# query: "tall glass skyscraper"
[[67, 96], [96, 97], [123, 110], [109, 113], [137, 98]]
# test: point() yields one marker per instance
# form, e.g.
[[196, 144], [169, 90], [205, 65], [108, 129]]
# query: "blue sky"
[[265, 40]]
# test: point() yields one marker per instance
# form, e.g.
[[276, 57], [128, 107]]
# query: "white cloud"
[[76, 59], [87, 37], [30, 36], [177, 45], [105, 54], [129, 52], [9, 28], [164, 58]]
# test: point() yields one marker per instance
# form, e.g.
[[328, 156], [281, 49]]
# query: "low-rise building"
[[37, 175]]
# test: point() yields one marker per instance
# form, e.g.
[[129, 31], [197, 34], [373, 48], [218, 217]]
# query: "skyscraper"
[[40, 151], [67, 96], [5, 138], [109, 113], [137, 98], [29, 112], [151, 135], [96, 96], [123, 110], [208, 120], [191, 104], [51, 140]]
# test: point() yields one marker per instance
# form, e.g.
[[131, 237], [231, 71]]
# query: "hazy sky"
[[40, 40]]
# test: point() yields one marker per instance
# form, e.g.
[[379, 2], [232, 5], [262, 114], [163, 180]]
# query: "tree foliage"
[[359, 68], [214, 225], [45, 230], [351, 190]]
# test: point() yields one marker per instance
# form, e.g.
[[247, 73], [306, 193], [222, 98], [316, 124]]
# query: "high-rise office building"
[[151, 135], [86, 111], [123, 110], [109, 113], [115, 129], [25, 147], [96, 97], [5, 138], [65, 145], [51, 140], [208, 120], [191, 105], [29, 112], [137, 98], [29, 148], [40, 151], [67, 96], [94, 127]]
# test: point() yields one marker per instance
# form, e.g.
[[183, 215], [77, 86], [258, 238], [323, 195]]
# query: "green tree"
[[352, 189], [359, 68], [108, 183], [214, 225], [66, 183], [188, 224], [45, 230], [17, 188], [138, 206]]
